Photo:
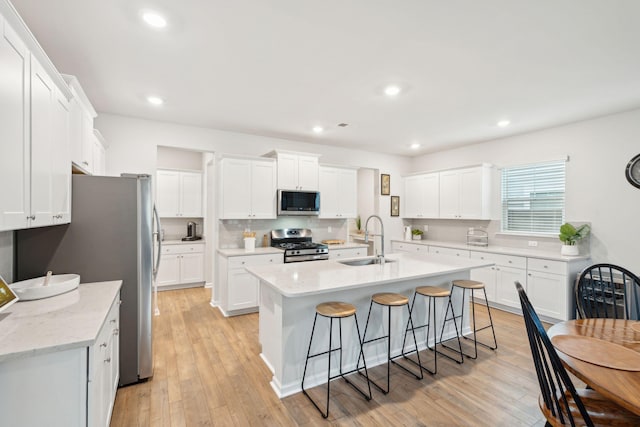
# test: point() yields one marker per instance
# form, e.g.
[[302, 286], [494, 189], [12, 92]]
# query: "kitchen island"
[[290, 292]]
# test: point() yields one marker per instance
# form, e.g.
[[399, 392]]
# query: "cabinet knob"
[[529, 274], [113, 320], [546, 266], [31, 217], [510, 262], [104, 344], [107, 360], [242, 262], [116, 331]]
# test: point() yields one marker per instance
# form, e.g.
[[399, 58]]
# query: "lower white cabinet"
[[499, 278], [180, 264], [347, 253], [438, 250], [67, 388], [545, 281], [104, 368], [239, 290]]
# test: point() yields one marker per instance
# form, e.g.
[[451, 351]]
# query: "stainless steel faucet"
[[366, 235]]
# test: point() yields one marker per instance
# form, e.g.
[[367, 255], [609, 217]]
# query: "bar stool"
[[473, 285], [432, 293], [389, 300], [335, 310]]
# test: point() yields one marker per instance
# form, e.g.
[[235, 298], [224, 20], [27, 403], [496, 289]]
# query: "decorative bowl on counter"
[[33, 289]]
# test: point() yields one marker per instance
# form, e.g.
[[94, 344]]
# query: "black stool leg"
[[475, 329], [455, 325], [324, 414]]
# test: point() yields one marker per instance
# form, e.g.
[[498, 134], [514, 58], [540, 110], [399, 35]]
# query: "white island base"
[[289, 294]]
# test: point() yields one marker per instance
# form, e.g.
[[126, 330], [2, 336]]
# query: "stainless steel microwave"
[[296, 202]]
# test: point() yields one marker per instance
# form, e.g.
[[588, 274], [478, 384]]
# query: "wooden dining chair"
[[559, 401], [607, 291]]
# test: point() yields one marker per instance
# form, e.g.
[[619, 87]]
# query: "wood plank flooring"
[[208, 373]]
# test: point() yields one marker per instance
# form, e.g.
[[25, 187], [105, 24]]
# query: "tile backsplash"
[[230, 231]]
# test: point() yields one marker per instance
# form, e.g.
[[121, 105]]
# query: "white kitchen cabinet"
[[71, 387], [247, 188], [180, 265], [60, 164], [421, 196], [99, 154], [297, 171], [81, 132], [338, 192], [409, 247], [342, 253], [498, 279], [14, 130], [179, 194], [439, 250], [549, 289], [466, 193], [239, 290]]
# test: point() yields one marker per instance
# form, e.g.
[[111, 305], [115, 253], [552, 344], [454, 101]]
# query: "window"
[[533, 198]]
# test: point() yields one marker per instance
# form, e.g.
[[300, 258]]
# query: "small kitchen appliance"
[[191, 232], [298, 246]]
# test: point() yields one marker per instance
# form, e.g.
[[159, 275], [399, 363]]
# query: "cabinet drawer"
[[182, 249], [347, 253], [409, 247], [545, 265], [252, 260], [448, 251], [500, 259]]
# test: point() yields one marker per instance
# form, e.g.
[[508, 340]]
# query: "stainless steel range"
[[298, 246]]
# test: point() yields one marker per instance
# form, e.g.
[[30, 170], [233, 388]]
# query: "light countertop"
[[66, 321], [242, 252], [182, 242], [505, 250], [317, 277], [348, 245]]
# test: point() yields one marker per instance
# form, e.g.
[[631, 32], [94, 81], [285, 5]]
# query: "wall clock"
[[633, 171]]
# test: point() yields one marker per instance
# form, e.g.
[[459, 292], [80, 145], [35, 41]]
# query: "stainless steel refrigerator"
[[111, 237]]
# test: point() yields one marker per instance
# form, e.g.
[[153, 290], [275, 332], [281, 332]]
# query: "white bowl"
[[34, 288]]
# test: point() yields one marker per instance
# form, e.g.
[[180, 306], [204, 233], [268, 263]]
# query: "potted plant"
[[358, 225], [569, 236], [416, 234]]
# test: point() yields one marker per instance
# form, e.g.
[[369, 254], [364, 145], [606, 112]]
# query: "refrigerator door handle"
[[157, 236]]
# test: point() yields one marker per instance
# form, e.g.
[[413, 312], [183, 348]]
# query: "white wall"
[[172, 158], [596, 192]]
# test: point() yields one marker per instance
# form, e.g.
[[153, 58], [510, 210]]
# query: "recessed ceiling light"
[[392, 90], [317, 129], [415, 146], [503, 123], [155, 100], [154, 19]]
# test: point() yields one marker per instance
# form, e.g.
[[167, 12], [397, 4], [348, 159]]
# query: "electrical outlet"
[[329, 229], [533, 243], [425, 228]]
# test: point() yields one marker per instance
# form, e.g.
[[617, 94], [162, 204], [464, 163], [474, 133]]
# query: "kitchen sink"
[[364, 261]]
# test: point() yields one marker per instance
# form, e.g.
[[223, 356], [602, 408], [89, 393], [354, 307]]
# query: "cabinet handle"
[[104, 344], [32, 217], [107, 360], [116, 331]]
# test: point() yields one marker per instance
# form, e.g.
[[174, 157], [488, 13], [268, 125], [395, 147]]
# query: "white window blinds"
[[533, 197]]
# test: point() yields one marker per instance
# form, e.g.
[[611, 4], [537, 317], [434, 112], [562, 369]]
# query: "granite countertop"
[[66, 321], [242, 252], [505, 250], [309, 278], [181, 242]]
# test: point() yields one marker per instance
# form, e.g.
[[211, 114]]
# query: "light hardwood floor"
[[208, 372]]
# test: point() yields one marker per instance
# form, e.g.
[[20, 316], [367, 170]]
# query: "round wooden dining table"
[[605, 354]]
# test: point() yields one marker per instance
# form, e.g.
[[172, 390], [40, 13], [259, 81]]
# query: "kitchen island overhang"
[[289, 294]]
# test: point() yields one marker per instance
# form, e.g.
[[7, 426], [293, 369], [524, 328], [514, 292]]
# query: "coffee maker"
[[191, 232]]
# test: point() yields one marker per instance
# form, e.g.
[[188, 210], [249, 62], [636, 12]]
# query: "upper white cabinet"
[[421, 196], [60, 166], [14, 130], [297, 171], [338, 192], [466, 193], [99, 154], [247, 188], [179, 194], [82, 137]]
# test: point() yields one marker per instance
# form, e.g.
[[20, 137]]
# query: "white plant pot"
[[417, 237], [570, 250]]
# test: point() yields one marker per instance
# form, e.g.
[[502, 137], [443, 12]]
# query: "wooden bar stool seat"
[[473, 285], [432, 293], [336, 310], [389, 299]]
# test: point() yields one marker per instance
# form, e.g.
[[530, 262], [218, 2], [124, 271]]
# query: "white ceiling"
[[279, 67]]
